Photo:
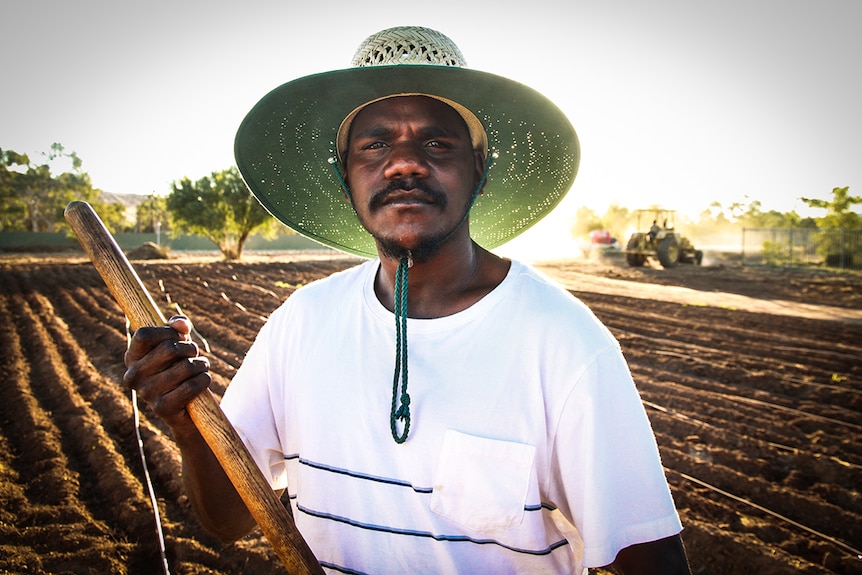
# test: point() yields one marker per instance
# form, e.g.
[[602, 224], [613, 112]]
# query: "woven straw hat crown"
[[285, 143], [408, 45]]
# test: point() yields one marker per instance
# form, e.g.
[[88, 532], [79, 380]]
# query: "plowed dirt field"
[[752, 379]]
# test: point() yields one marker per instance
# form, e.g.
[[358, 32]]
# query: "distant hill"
[[130, 201]]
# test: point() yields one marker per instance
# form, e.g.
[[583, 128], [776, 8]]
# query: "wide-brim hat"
[[285, 145]]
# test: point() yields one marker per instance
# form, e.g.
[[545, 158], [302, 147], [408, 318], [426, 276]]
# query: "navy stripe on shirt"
[[365, 476], [437, 537], [388, 480], [408, 532]]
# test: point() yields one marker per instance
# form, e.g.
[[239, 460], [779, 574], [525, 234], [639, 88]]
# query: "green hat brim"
[[285, 144]]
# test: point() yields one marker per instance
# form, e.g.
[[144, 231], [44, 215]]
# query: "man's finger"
[[182, 324]]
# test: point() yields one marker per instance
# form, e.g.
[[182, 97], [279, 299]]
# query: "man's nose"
[[406, 159]]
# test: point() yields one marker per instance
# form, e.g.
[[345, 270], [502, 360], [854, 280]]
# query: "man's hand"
[[163, 366]]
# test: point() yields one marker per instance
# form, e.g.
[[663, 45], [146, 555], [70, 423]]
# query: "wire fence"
[[799, 247]]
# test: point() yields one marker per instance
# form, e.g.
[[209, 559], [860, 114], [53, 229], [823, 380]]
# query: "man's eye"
[[375, 146]]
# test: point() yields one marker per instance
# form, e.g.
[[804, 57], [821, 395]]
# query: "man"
[[515, 441], [654, 230]]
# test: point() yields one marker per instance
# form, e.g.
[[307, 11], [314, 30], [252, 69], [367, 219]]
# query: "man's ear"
[[479, 162], [342, 175]]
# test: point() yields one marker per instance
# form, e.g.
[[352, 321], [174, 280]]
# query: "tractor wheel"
[[633, 258], [636, 260], [698, 257], [668, 252]]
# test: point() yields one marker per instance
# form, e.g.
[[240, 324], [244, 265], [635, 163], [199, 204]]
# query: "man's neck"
[[452, 280]]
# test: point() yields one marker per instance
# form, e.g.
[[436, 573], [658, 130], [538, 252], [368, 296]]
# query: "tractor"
[[662, 241]]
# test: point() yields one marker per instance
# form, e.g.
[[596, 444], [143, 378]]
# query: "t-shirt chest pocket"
[[482, 483]]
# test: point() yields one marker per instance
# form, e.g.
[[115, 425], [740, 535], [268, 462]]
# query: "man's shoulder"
[[543, 286], [349, 279], [543, 299], [313, 304], [324, 295]]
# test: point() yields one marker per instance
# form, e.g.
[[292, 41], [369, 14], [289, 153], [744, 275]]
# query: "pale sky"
[[676, 102]]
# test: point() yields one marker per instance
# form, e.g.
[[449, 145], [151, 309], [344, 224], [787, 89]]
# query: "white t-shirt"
[[529, 449]]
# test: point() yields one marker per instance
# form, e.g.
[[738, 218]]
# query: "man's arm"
[[164, 368], [662, 557], [215, 500]]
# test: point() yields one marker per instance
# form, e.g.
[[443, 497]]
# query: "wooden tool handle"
[[136, 302]]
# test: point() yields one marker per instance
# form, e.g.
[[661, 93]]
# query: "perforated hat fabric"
[[285, 144]]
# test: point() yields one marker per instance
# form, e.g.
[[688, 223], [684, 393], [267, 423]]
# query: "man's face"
[[411, 170]]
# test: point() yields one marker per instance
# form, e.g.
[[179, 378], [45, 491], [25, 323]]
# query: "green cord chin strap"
[[402, 412]]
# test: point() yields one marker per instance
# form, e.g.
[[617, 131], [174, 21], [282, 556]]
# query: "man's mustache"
[[432, 195]]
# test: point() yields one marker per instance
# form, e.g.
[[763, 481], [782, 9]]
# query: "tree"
[[838, 211], [752, 216], [150, 212], [833, 246], [219, 207], [619, 221], [586, 220], [13, 211], [32, 199]]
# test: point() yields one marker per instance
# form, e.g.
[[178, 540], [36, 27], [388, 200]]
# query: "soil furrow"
[[39, 458], [719, 384], [838, 416], [750, 358], [778, 462], [90, 448], [796, 505], [789, 335], [743, 436], [40, 487]]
